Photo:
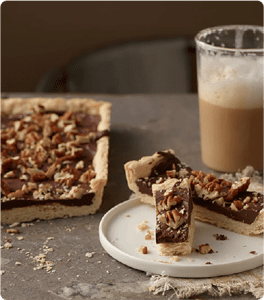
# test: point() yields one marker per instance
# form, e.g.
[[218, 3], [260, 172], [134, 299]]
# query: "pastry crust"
[[100, 160], [136, 169]]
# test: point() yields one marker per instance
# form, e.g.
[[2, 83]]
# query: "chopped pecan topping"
[[172, 218], [67, 115], [32, 171], [168, 202], [57, 139], [11, 163], [10, 174], [79, 165], [32, 138], [238, 204], [76, 192], [87, 176], [238, 186], [32, 186], [64, 178], [25, 189], [52, 169], [38, 177], [82, 139], [16, 194]]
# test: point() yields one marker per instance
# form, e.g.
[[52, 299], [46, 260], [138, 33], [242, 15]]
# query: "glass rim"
[[227, 27]]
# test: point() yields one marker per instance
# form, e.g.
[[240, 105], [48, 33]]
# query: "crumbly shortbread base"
[[100, 160], [48, 212], [222, 221], [184, 248], [136, 169]]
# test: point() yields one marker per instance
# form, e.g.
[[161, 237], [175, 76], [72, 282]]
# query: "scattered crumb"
[[8, 245], [165, 262], [15, 231], [253, 252], [142, 249], [127, 215], [27, 224], [175, 258], [18, 263], [2, 272], [13, 225], [220, 237], [208, 263], [195, 250], [89, 254], [99, 262], [205, 249], [20, 238], [148, 236], [142, 226]]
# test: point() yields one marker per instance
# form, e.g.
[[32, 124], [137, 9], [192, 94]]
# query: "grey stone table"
[[81, 268]]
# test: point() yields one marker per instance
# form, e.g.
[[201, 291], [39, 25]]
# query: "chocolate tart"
[[174, 217], [227, 205], [54, 155]]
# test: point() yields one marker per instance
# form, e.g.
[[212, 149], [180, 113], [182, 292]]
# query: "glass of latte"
[[230, 90]]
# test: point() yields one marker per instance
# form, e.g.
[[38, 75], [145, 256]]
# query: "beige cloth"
[[242, 283]]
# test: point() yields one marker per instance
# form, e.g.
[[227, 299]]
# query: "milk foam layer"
[[234, 82]]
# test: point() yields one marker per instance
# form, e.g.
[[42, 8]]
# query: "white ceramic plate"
[[120, 238]]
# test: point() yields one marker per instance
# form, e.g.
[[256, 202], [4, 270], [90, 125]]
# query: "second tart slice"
[[174, 217]]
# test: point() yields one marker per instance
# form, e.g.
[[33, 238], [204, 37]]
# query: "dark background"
[[37, 36]]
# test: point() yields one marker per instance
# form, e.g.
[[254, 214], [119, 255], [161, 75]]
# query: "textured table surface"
[[140, 125]]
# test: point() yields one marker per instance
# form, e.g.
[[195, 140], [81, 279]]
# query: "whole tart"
[[54, 155], [175, 223], [143, 173]]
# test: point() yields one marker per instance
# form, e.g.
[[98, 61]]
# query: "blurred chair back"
[[159, 66]]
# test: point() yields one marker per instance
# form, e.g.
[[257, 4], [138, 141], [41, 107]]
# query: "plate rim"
[[213, 270]]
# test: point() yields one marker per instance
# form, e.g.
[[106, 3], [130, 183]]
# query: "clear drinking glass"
[[230, 90]]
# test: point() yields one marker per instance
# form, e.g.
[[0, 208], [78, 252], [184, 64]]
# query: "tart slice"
[[54, 157], [228, 205], [174, 217], [142, 174]]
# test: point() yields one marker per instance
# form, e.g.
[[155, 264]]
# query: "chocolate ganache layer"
[[47, 158], [159, 172]]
